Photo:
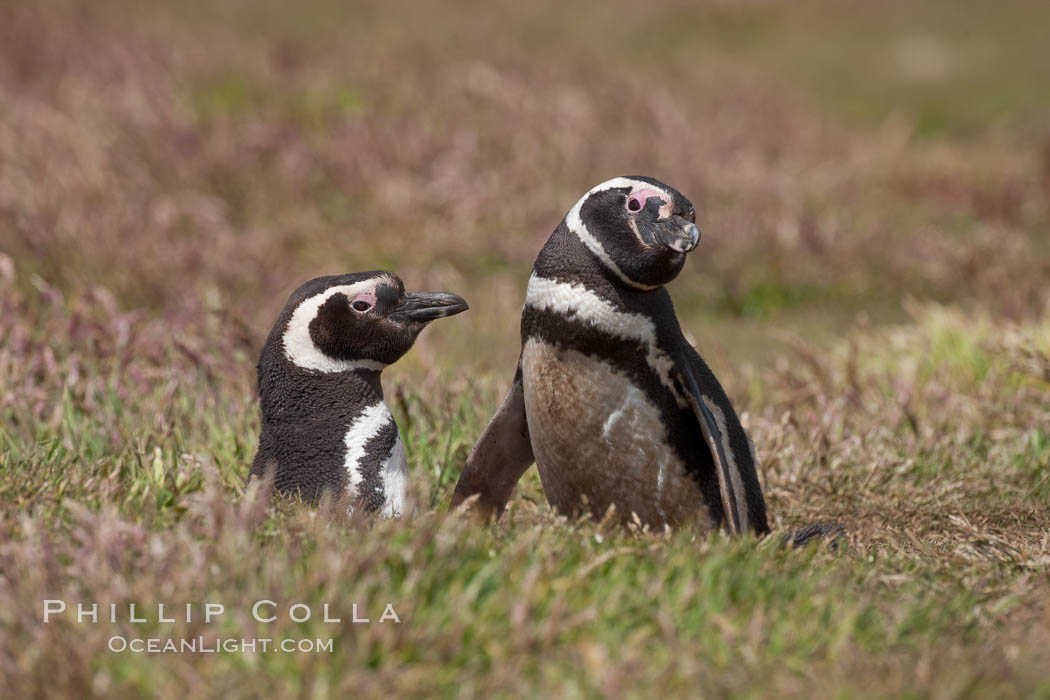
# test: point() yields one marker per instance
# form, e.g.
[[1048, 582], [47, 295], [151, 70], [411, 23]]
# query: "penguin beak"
[[677, 233], [424, 307]]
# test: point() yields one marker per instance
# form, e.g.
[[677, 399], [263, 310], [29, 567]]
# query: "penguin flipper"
[[499, 458], [742, 501]]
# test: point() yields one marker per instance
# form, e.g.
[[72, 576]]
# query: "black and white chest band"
[[375, 462]]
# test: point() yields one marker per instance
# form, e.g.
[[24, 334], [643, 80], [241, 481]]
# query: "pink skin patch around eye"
[[642, 197], [368, 297]]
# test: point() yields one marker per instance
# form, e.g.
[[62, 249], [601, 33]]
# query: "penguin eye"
[[361, 306], [634, 203]]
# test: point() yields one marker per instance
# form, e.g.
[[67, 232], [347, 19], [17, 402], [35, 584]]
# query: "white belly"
[[599, 441], [395, 479]]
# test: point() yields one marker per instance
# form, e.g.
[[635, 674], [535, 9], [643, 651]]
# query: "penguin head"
[[639, 229], [364, 320]]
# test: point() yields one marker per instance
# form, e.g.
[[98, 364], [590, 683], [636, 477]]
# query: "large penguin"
[[612, 403], [325, 426]]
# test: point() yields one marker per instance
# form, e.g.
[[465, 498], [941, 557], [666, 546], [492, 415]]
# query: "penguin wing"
[[730, 448], [500, 456]]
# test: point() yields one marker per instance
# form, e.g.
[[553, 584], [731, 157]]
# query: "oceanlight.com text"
[[201, 645]]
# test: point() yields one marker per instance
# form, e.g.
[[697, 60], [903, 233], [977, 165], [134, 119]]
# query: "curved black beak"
[[677, 233], [424, 307]]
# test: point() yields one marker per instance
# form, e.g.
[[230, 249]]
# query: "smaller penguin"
[[325, 425]]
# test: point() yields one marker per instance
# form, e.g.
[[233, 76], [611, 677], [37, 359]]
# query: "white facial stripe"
[[589, 308], [366, 427], [395, 480], [576, 225], [299, 347], [734, 471], [634, 229]]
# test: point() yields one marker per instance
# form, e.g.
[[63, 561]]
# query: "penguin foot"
[[834, 533]]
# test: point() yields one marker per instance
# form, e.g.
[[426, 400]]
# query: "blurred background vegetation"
[[209, 156]]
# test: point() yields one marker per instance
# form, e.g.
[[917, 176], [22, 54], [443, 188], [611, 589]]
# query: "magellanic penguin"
[[612, 403], [325, 426]]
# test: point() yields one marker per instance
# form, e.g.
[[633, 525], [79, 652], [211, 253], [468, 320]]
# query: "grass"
[[872, 185]]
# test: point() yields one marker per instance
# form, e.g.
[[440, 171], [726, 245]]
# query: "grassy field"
[[873, 183]]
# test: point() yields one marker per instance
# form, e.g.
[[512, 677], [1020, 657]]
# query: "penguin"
[[610, 401], [325, 425]]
